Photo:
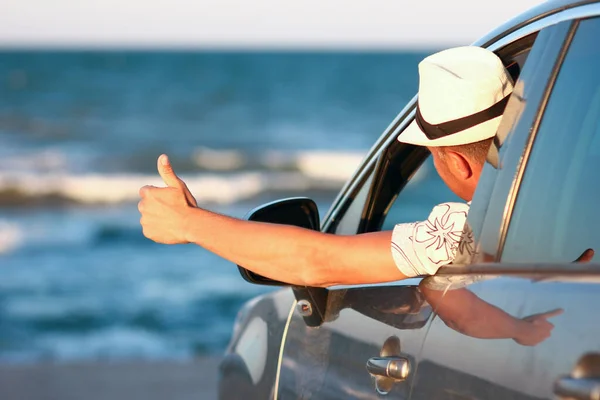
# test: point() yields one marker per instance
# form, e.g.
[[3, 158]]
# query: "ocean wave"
[[324, 164], [11, 236], [67, 330], [224, 177], [31, 189], [111, 343]]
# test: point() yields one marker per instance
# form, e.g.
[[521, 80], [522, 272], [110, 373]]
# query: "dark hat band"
[[458, 125]]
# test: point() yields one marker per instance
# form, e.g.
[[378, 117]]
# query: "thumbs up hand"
[[165, 211], [165, 170]]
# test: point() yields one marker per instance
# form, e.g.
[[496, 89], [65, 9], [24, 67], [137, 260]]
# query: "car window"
[[358, 212], [556, 214], [404, 185]]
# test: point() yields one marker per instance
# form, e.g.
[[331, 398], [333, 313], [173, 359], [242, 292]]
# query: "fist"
[[536, 328], [166, 211]]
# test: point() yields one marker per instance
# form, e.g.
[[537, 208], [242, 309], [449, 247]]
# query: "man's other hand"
[[536, 328], [165, 211]]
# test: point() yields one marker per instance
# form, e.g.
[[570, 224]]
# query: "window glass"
[[348, 224], [557, 212]]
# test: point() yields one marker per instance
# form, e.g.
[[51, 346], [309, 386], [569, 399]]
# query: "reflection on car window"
[[556, 216]]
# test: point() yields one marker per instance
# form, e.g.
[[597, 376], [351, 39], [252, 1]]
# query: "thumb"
[[166, 172]]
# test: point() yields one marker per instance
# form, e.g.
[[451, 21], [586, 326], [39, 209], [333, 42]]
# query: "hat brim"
[[414, 135]]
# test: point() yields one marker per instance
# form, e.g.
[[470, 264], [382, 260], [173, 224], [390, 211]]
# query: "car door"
[[371, 325], [527, 327]]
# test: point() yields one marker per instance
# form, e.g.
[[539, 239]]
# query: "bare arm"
[[295, 255], [286, 253], [466, 313]]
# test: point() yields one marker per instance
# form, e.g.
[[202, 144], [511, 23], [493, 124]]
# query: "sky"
[[258, 23]]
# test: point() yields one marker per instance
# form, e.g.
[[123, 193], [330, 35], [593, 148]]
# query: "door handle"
[[390, 367], [393, 367], [584, 381], [578, 388]]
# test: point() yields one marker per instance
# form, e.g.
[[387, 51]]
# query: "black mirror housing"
[[297, 211]]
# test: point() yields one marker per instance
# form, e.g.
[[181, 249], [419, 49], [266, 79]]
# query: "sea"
[[80, 132]]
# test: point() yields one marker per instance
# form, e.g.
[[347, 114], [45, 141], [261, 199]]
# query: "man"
[[462, 95]]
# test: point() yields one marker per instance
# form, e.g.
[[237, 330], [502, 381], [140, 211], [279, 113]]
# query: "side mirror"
[[297, 211]]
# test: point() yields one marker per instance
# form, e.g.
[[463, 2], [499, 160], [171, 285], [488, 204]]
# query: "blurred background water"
[[80, 133]]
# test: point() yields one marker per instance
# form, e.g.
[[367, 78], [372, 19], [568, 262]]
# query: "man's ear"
[[461, 167]]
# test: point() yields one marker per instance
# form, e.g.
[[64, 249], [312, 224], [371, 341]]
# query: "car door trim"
[[519, 269]]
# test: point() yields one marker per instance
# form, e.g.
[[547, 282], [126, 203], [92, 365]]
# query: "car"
[[516, 319]]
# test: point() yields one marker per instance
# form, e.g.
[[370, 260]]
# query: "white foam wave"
[[317, 164], [329, 165], [112, 343], [118, 188], [233, 176], [11, 236], [219, 160]]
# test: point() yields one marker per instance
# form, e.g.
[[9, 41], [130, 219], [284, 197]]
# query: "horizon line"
[[230, 47]]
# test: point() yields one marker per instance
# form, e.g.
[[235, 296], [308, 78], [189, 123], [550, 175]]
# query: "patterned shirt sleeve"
[[421, 248]]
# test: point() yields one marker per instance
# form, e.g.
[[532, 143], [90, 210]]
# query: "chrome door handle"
[[394, 367], [578, 388], [390, 367]]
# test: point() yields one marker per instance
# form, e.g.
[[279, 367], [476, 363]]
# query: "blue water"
[[80, 133]]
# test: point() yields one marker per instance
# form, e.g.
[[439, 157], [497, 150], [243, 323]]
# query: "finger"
[[190, 198], [586, 256], [166, 172], [552, 313], [188, 195], [145, 190]]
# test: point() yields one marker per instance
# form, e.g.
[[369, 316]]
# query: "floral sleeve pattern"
[[423, 247]]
